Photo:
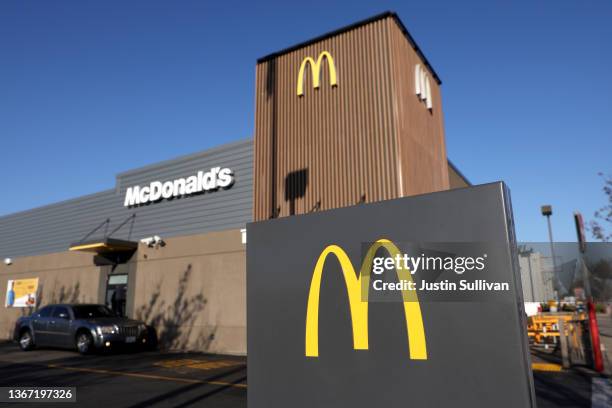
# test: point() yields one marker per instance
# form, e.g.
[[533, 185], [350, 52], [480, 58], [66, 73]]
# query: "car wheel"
[[26, 342], [84, 343]]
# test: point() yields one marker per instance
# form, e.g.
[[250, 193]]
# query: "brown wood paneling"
[[366, 139], [420, 131]]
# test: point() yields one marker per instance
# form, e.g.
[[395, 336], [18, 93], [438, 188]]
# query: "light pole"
[[526, 253], [547, 212]]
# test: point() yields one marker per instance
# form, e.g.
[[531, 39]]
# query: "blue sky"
[[89, 89]]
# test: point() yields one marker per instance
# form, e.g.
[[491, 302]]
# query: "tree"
[[604, 214]]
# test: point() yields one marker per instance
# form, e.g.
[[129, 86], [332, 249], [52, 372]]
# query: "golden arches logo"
[[316, 71], [358, 307]]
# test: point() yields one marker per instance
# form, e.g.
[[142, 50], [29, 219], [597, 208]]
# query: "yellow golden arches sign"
[[316, 71], [358, 308]]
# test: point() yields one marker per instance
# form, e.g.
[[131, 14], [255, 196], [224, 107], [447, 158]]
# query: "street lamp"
[[547, 212], [526, 253]]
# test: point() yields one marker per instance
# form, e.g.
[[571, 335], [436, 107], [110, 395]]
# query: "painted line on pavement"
[[147, 376], [546, 367]]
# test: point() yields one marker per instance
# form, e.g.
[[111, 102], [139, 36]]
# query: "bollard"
[[564, 346], [595, 343]]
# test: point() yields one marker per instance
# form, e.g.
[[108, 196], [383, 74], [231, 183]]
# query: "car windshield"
[[91, 311]]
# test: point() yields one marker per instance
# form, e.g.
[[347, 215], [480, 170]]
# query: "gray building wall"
[[54, 227]]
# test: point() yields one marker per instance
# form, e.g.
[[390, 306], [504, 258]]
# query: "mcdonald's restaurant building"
[[351, 117]]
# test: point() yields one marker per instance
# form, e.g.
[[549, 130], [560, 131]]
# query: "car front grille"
[[128, 331]]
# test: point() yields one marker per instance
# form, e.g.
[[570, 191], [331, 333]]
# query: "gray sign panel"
[[438, 351]]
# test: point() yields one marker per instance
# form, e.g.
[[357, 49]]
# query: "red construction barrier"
[[594, 330]]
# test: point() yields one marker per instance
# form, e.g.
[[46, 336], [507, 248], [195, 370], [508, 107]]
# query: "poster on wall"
[[21, 293]]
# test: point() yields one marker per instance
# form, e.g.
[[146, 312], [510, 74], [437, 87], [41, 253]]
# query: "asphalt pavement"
[[134, 380], [163, 379]]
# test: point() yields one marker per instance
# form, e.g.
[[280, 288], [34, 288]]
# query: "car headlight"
[[107, 329], [142, 327]]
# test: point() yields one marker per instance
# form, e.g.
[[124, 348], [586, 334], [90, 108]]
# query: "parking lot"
[[145, 379], [156, 379]]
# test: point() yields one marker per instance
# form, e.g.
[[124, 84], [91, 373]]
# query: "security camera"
[[154, 241], [8, 261], [158, 241], [149, 241]]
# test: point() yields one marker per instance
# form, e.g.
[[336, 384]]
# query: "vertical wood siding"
[[333, 146], [420, 132], [367, 139]]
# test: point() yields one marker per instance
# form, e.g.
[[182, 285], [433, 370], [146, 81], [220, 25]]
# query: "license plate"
[[130, 339]]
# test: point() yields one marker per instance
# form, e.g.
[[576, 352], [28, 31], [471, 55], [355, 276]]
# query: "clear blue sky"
[[92, 88]]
